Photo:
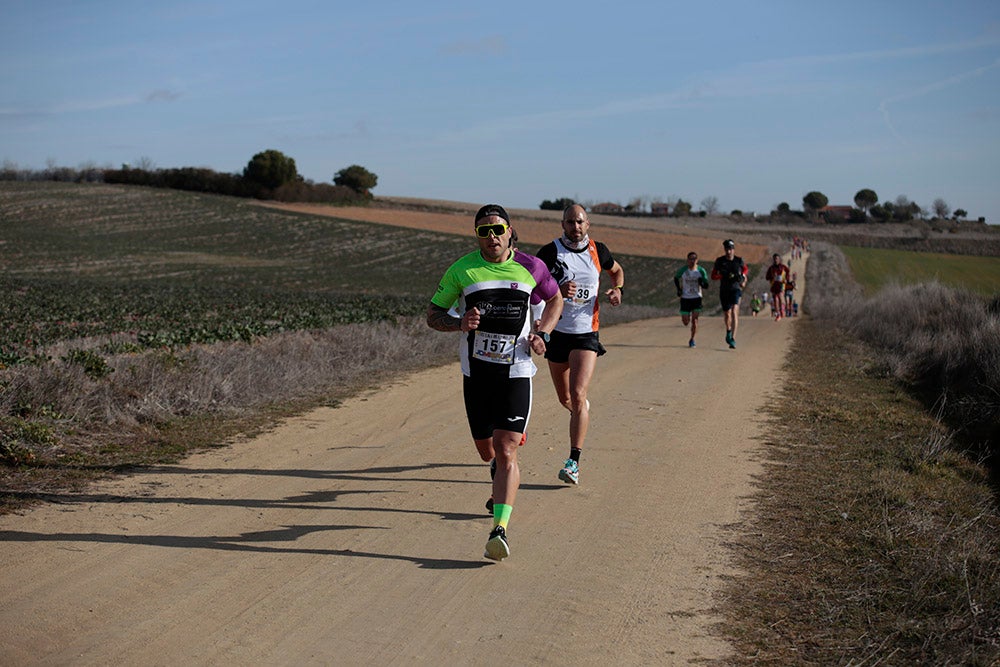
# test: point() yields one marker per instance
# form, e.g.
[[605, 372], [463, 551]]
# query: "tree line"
[[270, 174], [814, 207]]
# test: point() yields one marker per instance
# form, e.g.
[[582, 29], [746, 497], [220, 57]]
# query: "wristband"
[[620, 288]]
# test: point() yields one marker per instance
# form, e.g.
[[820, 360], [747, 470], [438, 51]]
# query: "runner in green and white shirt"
[[689, 280], [493, 289]]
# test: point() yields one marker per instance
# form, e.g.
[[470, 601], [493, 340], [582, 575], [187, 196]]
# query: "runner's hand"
[[470, 321], [536, 344]]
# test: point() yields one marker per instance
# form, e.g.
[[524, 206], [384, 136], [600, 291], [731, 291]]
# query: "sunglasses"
[[498, 229]]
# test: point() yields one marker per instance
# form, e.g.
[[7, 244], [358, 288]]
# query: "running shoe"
[[691, 343], [732, 343], [497, 547], [729, 338], [570, 472]]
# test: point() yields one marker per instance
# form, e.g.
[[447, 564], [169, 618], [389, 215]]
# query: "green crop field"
[[165, 268], [874, 268]]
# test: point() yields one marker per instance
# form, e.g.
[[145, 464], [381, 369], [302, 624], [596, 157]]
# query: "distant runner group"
[[509, 305]]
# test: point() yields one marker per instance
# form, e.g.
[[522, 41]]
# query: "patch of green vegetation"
[[164, 269], [874, 268]]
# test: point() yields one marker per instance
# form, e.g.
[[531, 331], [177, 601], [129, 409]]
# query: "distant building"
[[660, 209], [607, 207], [836, 213]]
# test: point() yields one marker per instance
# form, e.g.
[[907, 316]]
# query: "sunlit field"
[[874, 268]]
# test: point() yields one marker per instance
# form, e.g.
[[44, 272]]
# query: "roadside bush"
[[945, 344], [940, 342]]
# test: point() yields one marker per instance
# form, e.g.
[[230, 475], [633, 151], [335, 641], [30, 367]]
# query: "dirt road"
[[354, 535]]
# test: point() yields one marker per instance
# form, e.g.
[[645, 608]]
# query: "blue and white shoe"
[[691, 343], [570, 472]]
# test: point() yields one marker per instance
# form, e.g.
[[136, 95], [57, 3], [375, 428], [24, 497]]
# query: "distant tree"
[[710, 205], [904, 210], [560, 204], [270, 169], [357, 178], [9, 171], [145, 163], [941, 208], [814, 201], [865, 199], [783, 207], [681, 209], [961, 214], [857, 216], [736, 213], [881, 212]]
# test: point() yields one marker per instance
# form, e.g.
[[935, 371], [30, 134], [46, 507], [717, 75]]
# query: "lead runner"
[[493, 288]]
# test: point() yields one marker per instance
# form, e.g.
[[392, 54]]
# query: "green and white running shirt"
[[690, 281], [502, 293]]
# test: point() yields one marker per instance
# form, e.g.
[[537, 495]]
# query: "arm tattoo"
[[439, 319]]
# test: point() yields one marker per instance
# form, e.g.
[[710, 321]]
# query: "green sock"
[[501, 514]]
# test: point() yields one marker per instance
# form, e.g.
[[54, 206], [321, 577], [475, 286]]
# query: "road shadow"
[[317, 500], [325, 500], [376, 474], [246, 542]]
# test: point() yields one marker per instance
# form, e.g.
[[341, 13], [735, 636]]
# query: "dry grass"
[[872, 541], [69, 428]]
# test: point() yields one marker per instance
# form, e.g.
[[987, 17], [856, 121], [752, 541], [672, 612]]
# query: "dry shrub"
[[227, 379], [945, 344], [941, 342], [870, 542]]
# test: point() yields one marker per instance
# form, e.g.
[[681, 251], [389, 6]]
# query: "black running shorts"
[[559, 346], [493, 402], [689, 306], [730, 298]]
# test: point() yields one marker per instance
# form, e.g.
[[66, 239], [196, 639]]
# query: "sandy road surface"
[[355, 535]]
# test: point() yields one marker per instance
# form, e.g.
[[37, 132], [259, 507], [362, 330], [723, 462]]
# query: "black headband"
[[492, 209]]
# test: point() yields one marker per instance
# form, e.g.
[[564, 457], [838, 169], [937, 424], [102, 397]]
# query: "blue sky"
[[754, 103]]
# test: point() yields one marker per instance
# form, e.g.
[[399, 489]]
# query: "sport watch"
[[544, 336]]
